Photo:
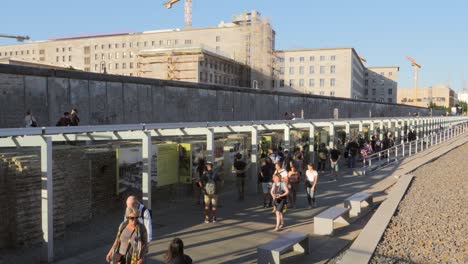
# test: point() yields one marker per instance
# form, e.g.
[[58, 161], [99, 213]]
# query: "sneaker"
[[284, 210], [207, 220], [214, 220]]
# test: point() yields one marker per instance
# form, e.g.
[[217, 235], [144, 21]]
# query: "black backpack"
[[143, 212]]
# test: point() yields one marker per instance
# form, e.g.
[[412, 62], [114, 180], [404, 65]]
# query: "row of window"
[[64, 58], [63, 49], [115, 55], [224, 67], [374, 91], [109, 66], [311, 70], [145, 44], [311, 58], [217, 79], [17, 52], [301, 83]]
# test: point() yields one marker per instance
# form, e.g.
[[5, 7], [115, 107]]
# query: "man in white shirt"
[[281, 171], [144, 215]]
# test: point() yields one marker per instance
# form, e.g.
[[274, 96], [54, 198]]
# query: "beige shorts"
[[210, 199]]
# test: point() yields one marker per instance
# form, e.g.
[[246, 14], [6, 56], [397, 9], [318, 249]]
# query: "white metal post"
[[332, 135], [287, 137], [311, 143], [347, 130], [360, 126], [410, 148], [389, 124], [418, 125], [381, 130], [254, 160], [210, 145], [147, 156], [371, 129], [47, 199]]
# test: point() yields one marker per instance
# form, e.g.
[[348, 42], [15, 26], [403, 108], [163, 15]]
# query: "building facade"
[[239, 53], [248, 40], [336, 72], [380, 84], [193, 65], [440, 95]]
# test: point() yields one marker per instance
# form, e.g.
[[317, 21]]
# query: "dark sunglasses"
[[131, 218]]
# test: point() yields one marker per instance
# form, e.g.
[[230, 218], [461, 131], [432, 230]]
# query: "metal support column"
[[210, 145], [381, 130], [47, 199], [254, 160], [287, 137], [332, 135], [311, 143], [147, 156], [347, 131], [371, 130]]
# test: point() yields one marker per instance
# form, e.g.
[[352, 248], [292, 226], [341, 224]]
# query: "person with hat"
[[208, 182]]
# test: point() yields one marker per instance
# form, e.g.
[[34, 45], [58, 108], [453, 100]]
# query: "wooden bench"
[[324, 222], [270, 252], [357, 202]]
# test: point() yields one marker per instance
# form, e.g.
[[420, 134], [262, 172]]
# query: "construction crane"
[[18, 38], [187, 12], [416, 68]]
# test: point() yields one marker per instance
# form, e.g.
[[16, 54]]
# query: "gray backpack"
[[210, 187]]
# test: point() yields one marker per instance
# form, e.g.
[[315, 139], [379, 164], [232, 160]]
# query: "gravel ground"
[[430, 223]]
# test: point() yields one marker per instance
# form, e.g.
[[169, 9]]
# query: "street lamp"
[[103, 67]]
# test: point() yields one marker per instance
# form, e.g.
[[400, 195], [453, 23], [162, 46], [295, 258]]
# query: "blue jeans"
[[311, 194], [351, 161]]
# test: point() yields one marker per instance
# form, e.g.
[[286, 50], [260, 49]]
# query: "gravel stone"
[[430, 223]]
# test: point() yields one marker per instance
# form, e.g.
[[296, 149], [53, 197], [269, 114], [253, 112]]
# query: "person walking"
[[266, 172], [209, 182], [175, 253], [311, 184], [30, 120], [240, 166], [144, 215], [293, 186], [323, 154], [353, 150], [334, 159], [279, 192], [130, 245], [64, 120], [74, 119]]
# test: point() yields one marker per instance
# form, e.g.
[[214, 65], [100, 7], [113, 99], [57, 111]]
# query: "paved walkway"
[[242, 225]]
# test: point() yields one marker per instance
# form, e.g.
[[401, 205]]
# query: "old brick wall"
[[84, 185]]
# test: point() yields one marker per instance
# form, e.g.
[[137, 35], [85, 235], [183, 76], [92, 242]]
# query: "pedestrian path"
[[243, 225]]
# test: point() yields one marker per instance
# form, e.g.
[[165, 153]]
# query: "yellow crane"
[[416, 67], [187, 10]]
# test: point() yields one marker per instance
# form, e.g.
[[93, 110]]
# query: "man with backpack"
[[145, 215], [208, 183], [240, 166], [64, 120]]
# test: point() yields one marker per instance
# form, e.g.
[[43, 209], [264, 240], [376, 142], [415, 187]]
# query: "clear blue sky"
[[434, 32]]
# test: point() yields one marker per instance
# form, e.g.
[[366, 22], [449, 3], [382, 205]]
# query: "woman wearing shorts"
[[279, 192]]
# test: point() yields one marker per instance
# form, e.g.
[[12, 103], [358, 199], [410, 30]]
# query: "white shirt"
[[311, 175], [282, 172]]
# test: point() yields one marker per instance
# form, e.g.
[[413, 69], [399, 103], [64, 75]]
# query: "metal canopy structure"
[[45, 136]]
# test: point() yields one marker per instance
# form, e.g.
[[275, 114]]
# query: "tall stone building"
[[238, 53], [248, 40], [380, 84]]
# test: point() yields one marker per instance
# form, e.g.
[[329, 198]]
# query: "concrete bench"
[[357, 202], [271, 251], [324, 222]]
